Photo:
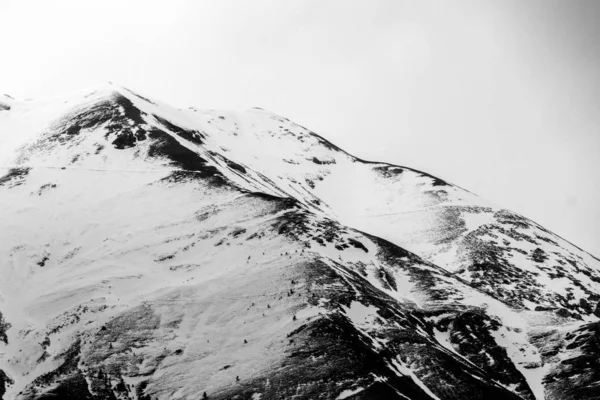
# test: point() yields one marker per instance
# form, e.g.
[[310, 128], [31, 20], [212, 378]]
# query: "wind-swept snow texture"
[[148, 252]]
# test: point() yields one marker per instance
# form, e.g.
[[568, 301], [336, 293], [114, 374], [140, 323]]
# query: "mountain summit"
[[149, 252]]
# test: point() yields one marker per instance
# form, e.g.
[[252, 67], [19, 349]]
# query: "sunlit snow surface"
[[150, 252]]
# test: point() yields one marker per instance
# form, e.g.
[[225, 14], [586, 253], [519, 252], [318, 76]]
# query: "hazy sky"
[[500, 97]]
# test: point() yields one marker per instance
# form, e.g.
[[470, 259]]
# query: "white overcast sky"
[[500, 97]]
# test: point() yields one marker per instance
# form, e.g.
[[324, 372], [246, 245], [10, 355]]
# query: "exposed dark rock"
[[73, 130], [358, 245], [14, 177], [235, 166], [539, 256], [140, 134], [65, 382], [597, 310], [323, 161], [471, 333], [164, 145], [124, 140], [192, 136], [4, 326], [577, 378], [4, 381]]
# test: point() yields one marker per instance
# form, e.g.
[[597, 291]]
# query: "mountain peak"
[[153, 252]]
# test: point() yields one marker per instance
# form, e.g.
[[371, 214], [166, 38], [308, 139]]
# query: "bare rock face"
[[156, 253]]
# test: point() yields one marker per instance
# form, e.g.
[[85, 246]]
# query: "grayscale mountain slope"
[[149, 252]]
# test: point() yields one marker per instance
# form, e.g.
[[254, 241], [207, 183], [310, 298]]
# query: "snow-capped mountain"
[[149, 252]]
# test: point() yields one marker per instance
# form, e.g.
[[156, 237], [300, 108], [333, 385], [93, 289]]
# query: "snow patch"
[[361, 314], [349, 392]]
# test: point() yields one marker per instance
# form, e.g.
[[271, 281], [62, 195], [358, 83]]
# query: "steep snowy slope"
[[443, 223], [149, 252]]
